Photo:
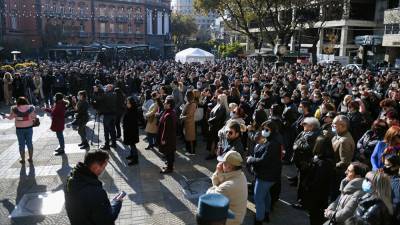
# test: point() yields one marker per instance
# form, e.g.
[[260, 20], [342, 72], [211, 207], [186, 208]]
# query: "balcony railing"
[[103, 18], [121, 19]]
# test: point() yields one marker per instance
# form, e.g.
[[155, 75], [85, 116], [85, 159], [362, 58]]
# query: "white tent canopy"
[[193, 55]]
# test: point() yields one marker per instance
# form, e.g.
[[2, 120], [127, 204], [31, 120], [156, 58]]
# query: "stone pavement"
[[32, 194]]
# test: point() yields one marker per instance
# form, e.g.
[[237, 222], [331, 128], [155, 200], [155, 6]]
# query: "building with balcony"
[[391, 37], [45, 24]]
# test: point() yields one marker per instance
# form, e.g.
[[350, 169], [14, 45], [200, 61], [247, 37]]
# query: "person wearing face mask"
[[343, 105], [86, 202], [389, 145], [367, 143], [289, 116], [302, 155], [391, 168], [266, 165], [304, 111], [375, 207], [167, 134], [189, 124], [351, 191]]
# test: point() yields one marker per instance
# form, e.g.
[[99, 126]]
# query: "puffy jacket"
[[370, 211], [346, 203], [86, 201], [266, 160]]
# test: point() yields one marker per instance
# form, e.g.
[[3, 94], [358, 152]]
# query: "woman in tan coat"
[[7, 81], [189, 124], [151, 125]]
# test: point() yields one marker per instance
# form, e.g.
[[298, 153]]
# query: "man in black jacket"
[[86, 201], [106, 103]]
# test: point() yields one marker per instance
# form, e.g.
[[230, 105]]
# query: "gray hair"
[[342, 119]]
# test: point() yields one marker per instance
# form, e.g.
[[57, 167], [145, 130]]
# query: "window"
[[120, 28], [112, 28], [82, 26], [129, 28], [102, 11], [102, 27], [14, 22]]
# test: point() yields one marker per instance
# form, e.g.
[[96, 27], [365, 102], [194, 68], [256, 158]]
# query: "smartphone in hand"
[[120, 196]]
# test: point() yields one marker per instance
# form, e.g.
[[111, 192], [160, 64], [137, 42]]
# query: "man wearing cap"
[[213, 209], [229, 180]]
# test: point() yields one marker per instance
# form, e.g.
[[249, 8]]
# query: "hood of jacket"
[[349, 187], [80, 178]]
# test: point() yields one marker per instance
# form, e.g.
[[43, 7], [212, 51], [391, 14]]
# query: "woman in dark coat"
[[131, 129], [267, 167], [318, 180], [58, 120], [167, 134]]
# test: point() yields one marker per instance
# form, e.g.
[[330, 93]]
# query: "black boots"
[[84, 145]]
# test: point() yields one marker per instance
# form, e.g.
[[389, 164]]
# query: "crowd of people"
[[340, 128]]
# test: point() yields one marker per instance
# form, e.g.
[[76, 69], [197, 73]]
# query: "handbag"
[[36, 122]]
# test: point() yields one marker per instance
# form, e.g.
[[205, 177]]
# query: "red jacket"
[[57, 115]]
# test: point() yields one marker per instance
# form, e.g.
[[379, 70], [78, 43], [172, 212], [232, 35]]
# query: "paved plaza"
[[33, 194]]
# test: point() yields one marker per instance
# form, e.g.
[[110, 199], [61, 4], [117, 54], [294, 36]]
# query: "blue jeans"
[[60, 137], [24, 136], [262, 198], [151, 138]]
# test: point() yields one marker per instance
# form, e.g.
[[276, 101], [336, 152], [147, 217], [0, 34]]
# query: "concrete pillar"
[[292, 43], [149, 17], [166, 23], [320, 44], [343, 41], [159, 23]]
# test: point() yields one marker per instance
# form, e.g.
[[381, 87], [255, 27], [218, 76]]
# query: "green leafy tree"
[[182, 27], [266, 21], [230, 50]]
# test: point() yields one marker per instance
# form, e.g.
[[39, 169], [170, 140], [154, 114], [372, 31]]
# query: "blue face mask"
[[334, 130], [300, 110], [366, 186], [265, 133]]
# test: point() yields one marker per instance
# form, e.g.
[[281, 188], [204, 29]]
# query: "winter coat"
[[303, 148], [266, 160], [370, 211], [343, 146], [86, 201], [357, 125], [366, 144], [82, 115], [232, 185], [130, 126], [38, 82], [216, 119], [58, 116], [235, 145], [376, 157], [151, 125], [395, 181], [189, 124], [167, 132], [23, 115], [318, 183], [347, 202]]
